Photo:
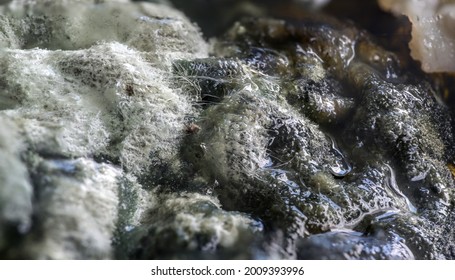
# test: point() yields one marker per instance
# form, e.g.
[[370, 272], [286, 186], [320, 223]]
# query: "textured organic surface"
[[300, 92], [93, 110], [433, 38], [289, 139]]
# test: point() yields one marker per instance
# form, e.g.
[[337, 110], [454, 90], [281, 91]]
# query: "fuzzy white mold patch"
[[84, 82], [199, 221]]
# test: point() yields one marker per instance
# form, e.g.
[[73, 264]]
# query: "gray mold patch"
[[266, 159], [94, 108], [293, 140], [75, 210], [72, 25], [269, 140], [190, 225], [15, 188]]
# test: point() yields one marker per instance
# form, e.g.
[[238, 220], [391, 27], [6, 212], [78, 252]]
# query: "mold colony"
[[287, 137]]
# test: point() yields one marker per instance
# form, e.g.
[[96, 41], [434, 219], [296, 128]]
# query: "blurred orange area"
[[451, 168]]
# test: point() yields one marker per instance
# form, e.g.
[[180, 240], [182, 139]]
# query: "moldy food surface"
[[288, 139]]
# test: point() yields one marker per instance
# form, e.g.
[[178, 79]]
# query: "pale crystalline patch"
[[433, 35]]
